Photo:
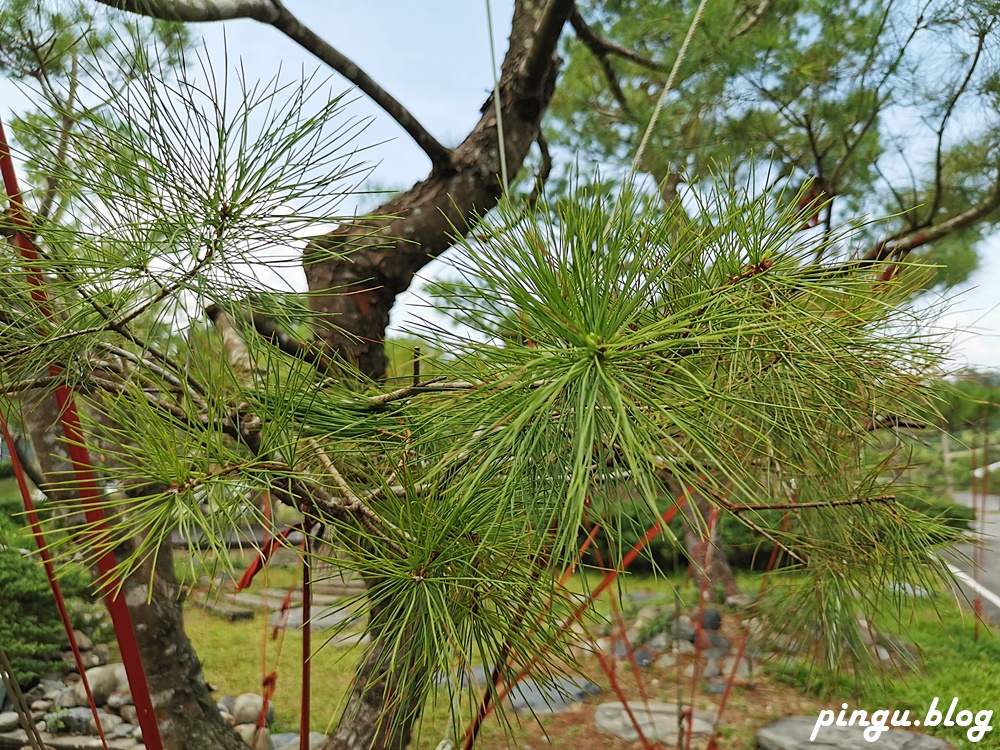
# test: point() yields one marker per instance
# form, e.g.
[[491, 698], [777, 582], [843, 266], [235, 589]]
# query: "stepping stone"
[[658, 721], [551, 696], [793, 733], [321, 618], [222, 608]]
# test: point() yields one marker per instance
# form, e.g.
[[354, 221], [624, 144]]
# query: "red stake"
[[86, 484]]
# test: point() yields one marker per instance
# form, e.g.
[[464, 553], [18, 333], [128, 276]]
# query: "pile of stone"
[[62, 714], [657, 638]]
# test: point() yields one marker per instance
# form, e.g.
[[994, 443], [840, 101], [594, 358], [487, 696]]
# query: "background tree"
[[463, 183]]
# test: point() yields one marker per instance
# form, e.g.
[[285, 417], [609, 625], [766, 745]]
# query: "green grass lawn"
[[955, 665]]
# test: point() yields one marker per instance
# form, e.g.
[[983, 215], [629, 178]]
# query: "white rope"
[[501, 143], [669, 85]]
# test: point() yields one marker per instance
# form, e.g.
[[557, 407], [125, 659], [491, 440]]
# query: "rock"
[[129, 715], [248, 733], [83, 641], [9, 721], [70, 721], [38, 706], [90, 660], [711, 619], [315, 740], [101, 652], [67, 699], [104, 681], [108, 722], [793, 733], [743, 670], [739, 601], [683, 629], [659, 642], [666, 661], [910, 590], [710, 670], [682, 647], [643, 657], [123, 730], [228, 718], [715, 687], [13, 740], [551, 696], [718, 641], [117, 700], [658, 721], [247, 707], [226, 703]]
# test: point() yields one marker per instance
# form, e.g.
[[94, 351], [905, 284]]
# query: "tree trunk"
[[709, 565], [355, 294], [379, 715], [185, 710]]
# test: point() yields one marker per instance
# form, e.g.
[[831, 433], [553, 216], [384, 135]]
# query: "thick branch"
[[539, 58], [903, 245], [275, 14], [197, 11], [602, 47], [298, 32]]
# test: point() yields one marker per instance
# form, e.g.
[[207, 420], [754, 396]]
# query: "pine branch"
[[275, 14], [602, 47], [539, 58]]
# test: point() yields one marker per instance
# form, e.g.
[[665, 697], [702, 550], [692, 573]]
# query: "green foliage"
[[633, 351], [836, 94], [30, 628]]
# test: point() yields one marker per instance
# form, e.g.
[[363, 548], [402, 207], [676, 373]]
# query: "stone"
[[659, 721], [316, 739], [666, 661], [258, 741], [743, 669], [247, 707], [39, 705], [67, 699], [9, 721], [718, 641], [909, 589], [226, 703], [325, 618], [83, 641], [643, 656], [228, 718], [123, 730], [551, 696], [13, 740], [739, 601], [683, 629], [87, 743], [463, 678], [104, 680], [70, 721], [108, 722], [659, 642], [793, 732], [710, 670], [129, 715], [711, 619], [101, 652], [715, 687], [682, 647], [117, 700]]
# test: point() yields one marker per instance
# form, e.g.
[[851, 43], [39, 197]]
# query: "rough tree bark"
[[185, 710]]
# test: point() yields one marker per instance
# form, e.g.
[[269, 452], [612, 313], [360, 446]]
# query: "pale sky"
[[434, 58]]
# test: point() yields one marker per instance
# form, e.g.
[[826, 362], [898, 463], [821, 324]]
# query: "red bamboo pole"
[[86, 483], [50, 573]]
